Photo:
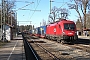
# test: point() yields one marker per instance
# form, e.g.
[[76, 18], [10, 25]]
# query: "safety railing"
[[30, 53]]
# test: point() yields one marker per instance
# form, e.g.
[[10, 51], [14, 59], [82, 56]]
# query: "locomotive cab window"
[[69, 26]]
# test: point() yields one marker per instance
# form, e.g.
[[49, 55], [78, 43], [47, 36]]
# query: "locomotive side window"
[[69, 26]]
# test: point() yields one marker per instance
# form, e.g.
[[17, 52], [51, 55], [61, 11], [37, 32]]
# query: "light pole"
[[1, 23], [50, 5], [3, 19]]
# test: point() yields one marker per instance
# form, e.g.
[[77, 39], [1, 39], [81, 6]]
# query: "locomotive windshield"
[[68, 26]]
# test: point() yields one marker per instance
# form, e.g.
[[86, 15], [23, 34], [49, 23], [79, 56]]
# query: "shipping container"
[[42, 31]]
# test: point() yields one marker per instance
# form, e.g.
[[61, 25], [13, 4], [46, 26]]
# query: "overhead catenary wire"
[[35, 9], [24, 6], [23, 1], [64, 3]]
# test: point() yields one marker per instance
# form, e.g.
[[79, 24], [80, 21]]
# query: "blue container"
[[42, 30], [37, 30]]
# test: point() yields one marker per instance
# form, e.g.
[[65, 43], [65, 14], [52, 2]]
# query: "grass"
[[2, 43]]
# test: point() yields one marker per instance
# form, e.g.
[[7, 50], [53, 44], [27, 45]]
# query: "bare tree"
[[88, 20], [53, 14], [81, 6], [57, 13], [63, 13], [10, 5], [78, 24]]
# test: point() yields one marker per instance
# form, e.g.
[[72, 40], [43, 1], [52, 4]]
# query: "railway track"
[[49, 53], [83, 44], [51, 50], [81, 47], [43, 52]]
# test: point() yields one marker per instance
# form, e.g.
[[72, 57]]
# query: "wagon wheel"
[[58, 41], [62, 41]]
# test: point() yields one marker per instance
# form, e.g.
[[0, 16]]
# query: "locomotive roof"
[[62, 21]]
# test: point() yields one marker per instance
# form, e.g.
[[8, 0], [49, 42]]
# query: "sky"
[[42, 7]]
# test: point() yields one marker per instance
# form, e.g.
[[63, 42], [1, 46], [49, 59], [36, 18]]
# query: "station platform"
[[84, 37], [13, 50]]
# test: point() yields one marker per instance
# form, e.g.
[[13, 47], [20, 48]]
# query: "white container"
[[0, 34], [8, 32]]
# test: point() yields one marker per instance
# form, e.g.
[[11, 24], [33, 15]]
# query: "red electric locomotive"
[[62, 31]]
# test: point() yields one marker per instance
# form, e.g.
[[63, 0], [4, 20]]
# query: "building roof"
[[83, 29]]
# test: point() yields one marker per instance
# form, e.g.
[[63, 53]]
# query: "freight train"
[[62, 31]]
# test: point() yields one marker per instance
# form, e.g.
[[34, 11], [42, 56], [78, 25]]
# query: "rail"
[[30, 53], [48, 52]]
